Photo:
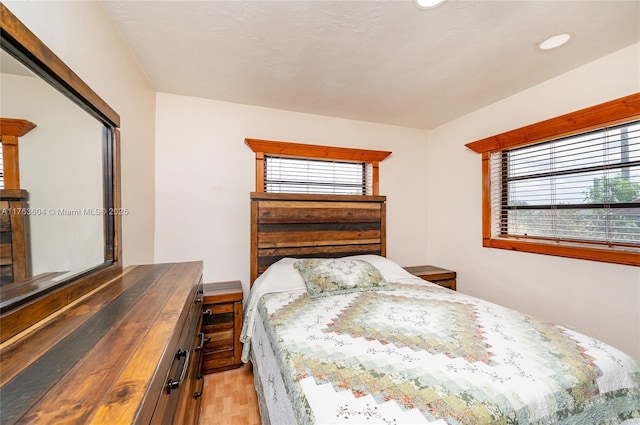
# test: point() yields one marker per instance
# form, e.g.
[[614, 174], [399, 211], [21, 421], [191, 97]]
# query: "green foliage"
[[612, 190]]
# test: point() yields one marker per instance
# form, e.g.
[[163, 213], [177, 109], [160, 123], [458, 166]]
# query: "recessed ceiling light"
[[555, 41], [429, 4]]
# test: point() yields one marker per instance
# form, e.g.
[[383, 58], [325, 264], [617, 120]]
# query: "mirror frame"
[[38, 301]]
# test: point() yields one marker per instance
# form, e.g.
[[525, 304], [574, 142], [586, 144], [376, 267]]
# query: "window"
[[284, 167], [295, 175], [569, 186], [578, 188]]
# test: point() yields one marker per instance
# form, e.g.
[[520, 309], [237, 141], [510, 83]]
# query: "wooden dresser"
[[127, 352]]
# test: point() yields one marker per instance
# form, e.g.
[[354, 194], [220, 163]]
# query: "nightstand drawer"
[[218, 361], [219, 341], [449, 283], [218, 309], [217, 322]]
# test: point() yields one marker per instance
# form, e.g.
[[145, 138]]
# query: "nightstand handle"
[[199, 393], [202, 341], [207, 312]]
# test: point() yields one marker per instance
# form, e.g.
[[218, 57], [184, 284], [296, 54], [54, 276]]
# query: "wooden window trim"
[[300, 150], [603, 115], [10, 130]]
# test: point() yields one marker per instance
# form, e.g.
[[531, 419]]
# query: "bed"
[[354, 338]]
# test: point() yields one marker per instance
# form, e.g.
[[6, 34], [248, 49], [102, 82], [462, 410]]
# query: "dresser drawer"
[[178, 397]]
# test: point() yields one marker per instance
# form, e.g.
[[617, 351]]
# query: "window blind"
[[581, 188], [301, 175]]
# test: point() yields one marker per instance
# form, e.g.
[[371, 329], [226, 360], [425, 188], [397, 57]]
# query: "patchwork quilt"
[[417, 353]]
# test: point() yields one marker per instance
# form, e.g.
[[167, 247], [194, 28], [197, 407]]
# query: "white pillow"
[[389, 269], [280, 276]]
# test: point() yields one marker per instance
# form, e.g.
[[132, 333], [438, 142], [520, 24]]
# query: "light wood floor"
[[230, 398]]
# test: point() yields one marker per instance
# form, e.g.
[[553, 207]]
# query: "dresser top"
[[103, 358]]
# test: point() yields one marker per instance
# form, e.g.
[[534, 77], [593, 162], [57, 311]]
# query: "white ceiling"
[[380, 61]]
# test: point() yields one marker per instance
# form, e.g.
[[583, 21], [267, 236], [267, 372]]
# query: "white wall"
[[62, 237], [205, 172], [82, 35], [599, 299]]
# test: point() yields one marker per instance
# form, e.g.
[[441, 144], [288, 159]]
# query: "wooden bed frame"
[[325, 226]]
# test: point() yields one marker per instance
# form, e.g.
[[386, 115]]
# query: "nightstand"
[[442, 277], [221, 325]]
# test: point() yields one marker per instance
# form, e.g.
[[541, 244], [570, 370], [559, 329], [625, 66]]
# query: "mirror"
[[60, 168], [67, 201]]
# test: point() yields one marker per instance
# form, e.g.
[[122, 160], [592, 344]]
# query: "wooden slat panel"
[[318, 252], [317, 227], [287, 225], [320, 214], [289, 239], [342, 250]]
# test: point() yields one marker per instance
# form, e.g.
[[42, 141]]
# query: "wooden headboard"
[[301, 225]]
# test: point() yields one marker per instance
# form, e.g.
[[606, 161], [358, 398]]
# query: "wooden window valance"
[[263, 148]]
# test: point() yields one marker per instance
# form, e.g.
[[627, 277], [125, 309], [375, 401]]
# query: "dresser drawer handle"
[[198, 300], [207, 312], [172, 385], [199, 393]]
